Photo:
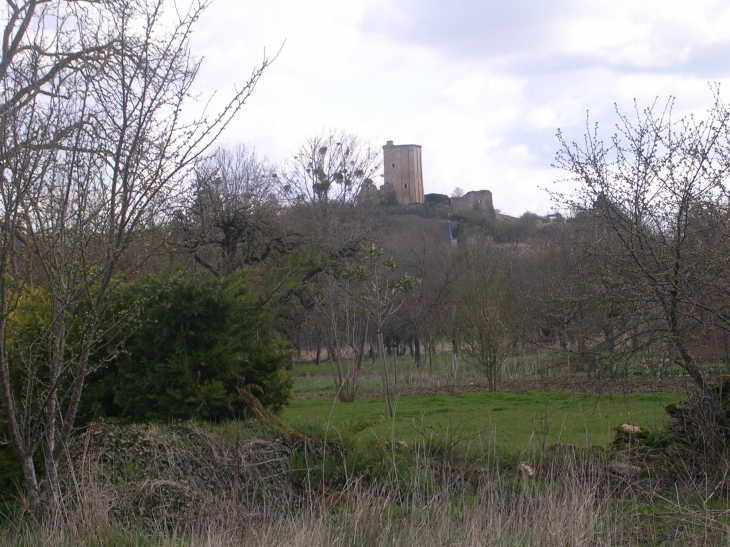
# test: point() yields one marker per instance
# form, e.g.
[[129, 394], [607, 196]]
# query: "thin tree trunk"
[[687, 360], [51, 443], [395, 367], [384, 376], [32, 489], [417, 342], [18, 438], [361, 354]]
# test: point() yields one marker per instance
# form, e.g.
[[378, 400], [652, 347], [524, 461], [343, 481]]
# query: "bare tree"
[[348, 327], [487, 316], [548, 278], [232, 218], [649, 202], [94, 147], [317, 188], [329, 168], [381, 297]]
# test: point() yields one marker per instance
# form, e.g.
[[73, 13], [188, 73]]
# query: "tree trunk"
[[31, 484], [384, 375], [25, 453], [52, 444], [319, 354], [417, 342], [395, 367], [360, 354]]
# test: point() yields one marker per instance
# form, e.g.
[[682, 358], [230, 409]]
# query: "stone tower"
[[403, 173]]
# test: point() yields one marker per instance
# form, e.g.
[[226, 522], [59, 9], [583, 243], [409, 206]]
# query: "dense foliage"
[[200, 348]]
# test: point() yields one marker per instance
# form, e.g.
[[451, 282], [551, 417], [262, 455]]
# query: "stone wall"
[[479, 200], [440, 199]]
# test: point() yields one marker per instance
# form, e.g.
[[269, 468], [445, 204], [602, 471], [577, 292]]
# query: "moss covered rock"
[[628, 435]]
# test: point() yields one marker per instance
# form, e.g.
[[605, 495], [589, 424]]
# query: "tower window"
[[394, 166], [405, 185]]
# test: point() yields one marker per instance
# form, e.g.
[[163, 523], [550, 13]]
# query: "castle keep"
[[402, 172]]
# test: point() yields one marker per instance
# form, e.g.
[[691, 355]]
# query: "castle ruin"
[[403, 183]]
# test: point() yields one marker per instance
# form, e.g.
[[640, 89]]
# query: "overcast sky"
[[481, 85]]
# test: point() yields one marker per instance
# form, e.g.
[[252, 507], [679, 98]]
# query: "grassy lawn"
[[507, 421]]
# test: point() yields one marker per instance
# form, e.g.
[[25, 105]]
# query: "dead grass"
[[572, 500], [568, 512]]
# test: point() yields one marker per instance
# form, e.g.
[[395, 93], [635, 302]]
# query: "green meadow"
[[504, 421]]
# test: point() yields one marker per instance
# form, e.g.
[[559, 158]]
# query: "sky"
[[482, 85]]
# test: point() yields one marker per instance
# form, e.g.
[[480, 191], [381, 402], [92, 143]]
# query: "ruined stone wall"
[[368, 194], [476, 200]]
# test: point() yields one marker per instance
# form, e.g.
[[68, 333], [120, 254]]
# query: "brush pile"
[[179, 471]]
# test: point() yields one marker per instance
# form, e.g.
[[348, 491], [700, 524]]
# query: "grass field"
[[513, 422]]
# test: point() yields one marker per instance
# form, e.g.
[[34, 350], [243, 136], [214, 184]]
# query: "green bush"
[[193, 349]]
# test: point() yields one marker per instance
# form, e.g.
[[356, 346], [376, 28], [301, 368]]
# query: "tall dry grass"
[[570, 502]]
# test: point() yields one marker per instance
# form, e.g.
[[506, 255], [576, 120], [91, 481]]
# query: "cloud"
[[465, 27], [541, 36]]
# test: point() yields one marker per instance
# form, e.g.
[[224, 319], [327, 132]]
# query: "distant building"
[[402, 172]]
